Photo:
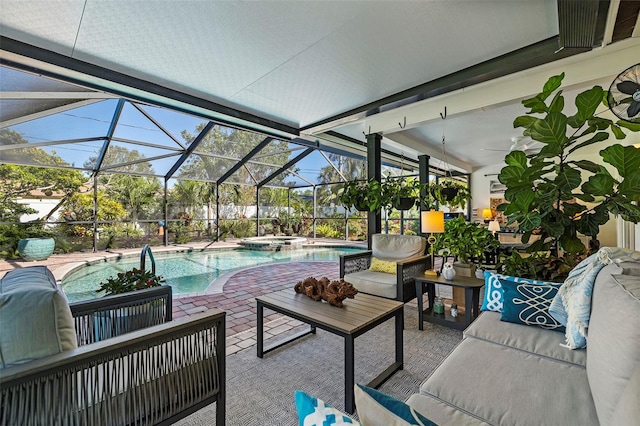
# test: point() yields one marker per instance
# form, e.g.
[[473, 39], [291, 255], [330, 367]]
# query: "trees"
[[138, 194], [19, 181]]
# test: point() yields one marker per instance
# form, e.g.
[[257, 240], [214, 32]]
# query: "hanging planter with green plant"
[[402, 193], [363, 195]]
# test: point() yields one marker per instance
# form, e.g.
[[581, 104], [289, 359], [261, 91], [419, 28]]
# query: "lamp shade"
[[487, 214], [432, 222], [494, 226]]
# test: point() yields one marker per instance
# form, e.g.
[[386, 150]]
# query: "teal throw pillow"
[[528, 304], [493, 294], [376, 408], [315, 412]]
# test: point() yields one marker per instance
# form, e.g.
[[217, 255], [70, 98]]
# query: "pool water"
[[189, 272]]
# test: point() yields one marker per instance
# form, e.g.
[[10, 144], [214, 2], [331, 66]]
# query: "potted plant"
[[548, 192], [363, 195], [402, 193], [111, 323], [38, 245], [132, 280], [467, 241]]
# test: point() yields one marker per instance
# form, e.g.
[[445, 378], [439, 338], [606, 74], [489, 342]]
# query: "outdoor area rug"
[[260, 391]]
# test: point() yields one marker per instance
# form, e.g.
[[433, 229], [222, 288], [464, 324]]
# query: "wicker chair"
[[156, 374], [408, 253]]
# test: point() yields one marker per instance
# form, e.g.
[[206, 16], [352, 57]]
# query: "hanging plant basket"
[[449, 194], [361, 206], [404, 203]]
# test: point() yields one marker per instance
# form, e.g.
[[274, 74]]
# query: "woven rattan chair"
[[122, 372], [407, 251]]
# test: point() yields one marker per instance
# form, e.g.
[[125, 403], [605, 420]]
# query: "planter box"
[[113, 323], [36, 248]]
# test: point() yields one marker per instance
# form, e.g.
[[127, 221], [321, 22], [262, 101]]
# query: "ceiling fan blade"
[[628, 87], [633, 109]]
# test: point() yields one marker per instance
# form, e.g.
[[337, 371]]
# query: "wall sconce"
[[432, 223]]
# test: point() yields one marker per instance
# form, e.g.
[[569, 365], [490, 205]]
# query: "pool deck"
[[238, 293]]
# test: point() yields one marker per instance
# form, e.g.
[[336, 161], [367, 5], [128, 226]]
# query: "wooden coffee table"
[[358, 316]]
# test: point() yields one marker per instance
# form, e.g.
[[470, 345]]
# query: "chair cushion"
[[376, 283], [35, 317], [394, 248]]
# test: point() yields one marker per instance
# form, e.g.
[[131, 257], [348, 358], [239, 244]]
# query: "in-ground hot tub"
[[273, 243]]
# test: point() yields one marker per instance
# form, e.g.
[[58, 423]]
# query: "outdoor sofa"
[[503, 373], [117, 360]]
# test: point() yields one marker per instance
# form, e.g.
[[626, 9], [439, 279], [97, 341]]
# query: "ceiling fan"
[[520, 143], [624, 95]]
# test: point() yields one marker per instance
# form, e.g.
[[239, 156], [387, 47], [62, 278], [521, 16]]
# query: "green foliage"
[[465, 240], [124, 282], [363, 195], [19, 181], [326, 230], [396, 188], [542, 188], [441, 191], [541, 266], [9, 237]]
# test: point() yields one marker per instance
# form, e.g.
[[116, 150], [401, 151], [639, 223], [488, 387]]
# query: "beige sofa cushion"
[[613, 349], [35, 317], [397, 247], [526, 338], [505, 386], [627, 410]]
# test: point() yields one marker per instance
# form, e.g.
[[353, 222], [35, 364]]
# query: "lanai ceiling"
[[330, 71]]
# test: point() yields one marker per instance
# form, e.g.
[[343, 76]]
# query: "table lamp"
[[432, 223], [494, 226], [487, 215]]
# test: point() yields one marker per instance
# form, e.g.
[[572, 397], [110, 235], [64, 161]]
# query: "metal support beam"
[[165, 233], [95, 212], [112, 129], [285, 167], [423, 177], [189, 150], [257, 211], [246, 158], [217, 212], [374, 171], [315, 202]]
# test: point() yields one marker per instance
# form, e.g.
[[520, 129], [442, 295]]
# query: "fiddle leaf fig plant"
[[556, 192]]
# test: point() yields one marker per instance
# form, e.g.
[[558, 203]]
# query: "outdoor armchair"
[[91, 368], [406, 251]]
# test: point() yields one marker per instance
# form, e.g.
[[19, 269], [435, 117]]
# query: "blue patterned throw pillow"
[[528, 304], [376, 408], [315, 412], [493, 296]]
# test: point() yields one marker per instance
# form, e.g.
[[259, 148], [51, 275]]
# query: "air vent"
[[579, 22]]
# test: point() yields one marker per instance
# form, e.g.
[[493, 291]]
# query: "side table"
[[471, 286]]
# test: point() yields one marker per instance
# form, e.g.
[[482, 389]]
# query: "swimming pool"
[[190, 272]]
